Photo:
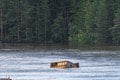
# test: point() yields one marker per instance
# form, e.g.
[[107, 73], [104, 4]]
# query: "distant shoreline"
[[38, 47]]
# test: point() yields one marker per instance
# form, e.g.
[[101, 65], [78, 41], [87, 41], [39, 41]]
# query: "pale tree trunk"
[[18, 26], [1, 23], [46, 15], [66, 25], [18, 21], [45, 29]]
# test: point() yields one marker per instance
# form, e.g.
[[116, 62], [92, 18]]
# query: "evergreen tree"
[[101, 22], [78, 22], [89, 31], [76, 29], [1, 20], [116, 28]]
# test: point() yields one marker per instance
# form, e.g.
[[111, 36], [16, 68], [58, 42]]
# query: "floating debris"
[[5, 78]]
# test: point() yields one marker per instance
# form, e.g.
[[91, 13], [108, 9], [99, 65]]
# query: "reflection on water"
[[94, 65]]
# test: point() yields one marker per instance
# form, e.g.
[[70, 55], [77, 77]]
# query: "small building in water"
[[64, 64]]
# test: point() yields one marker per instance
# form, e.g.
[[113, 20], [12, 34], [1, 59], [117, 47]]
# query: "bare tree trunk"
[[26, 28], [46, 25], [1, 22], [18, 25], [18, 34], [45, 30], [66, 25], [18, 21]]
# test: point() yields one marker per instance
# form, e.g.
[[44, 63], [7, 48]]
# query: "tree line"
[[80, 22]]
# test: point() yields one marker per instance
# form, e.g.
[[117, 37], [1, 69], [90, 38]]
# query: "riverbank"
[[60, 47]]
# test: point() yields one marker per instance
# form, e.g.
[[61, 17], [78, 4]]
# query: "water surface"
[[35, 65]]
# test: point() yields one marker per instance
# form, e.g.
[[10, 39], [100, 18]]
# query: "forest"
[[77, 22]]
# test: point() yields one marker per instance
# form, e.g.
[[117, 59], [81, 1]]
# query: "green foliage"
[[57, 30], [92, 20], [78, 22], [115, 30]]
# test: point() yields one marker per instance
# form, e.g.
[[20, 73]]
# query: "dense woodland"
[[78, 22]]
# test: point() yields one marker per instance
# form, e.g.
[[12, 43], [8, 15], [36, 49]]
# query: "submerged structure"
[[64, 64], [5, 79]]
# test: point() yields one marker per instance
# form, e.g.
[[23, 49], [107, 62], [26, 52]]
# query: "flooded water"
[[35, 65]]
